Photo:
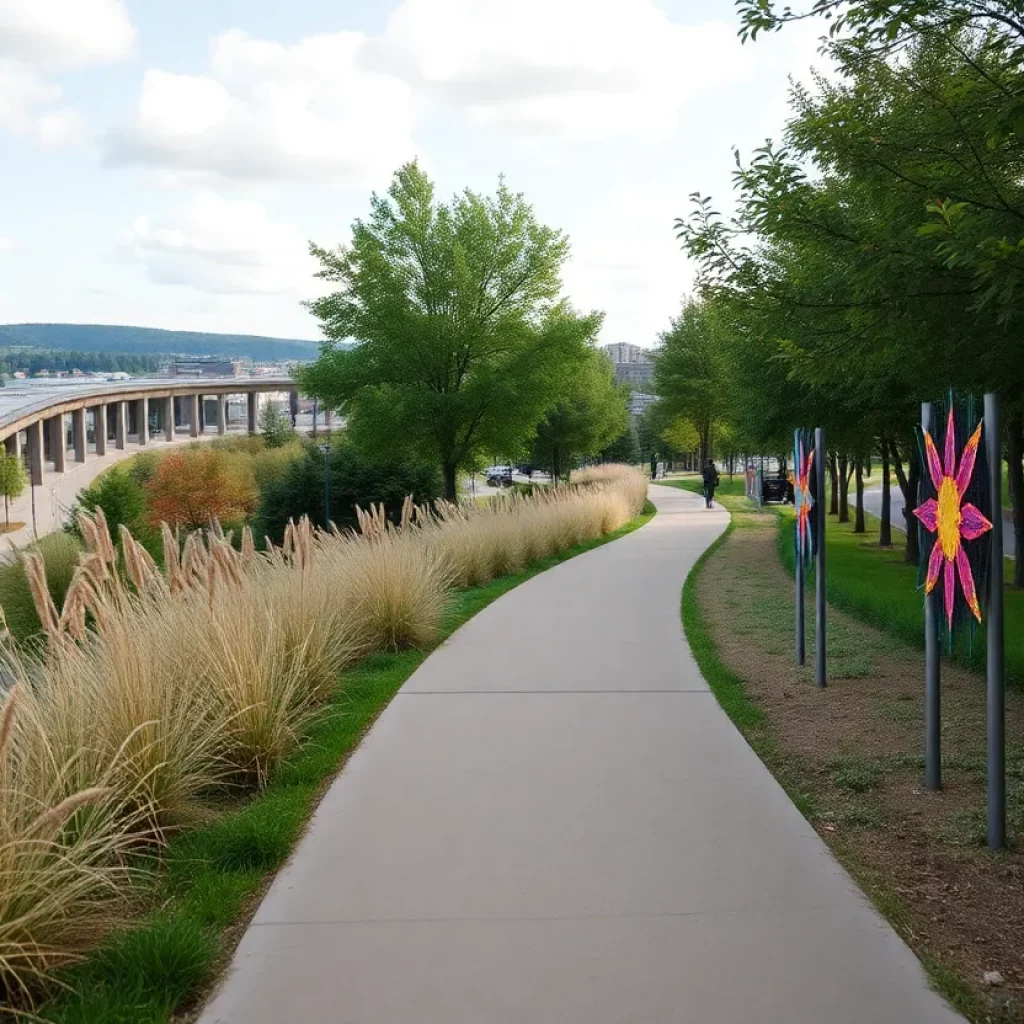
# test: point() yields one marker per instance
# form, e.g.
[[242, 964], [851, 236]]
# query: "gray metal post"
[[819, 569], [932, 660], [801, 644], [995, 679], [252, 408], [801, 640]]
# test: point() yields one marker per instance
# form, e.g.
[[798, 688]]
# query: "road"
[[873, 504]]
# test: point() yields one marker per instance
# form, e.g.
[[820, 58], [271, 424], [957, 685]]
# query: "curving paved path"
[[555, 822]]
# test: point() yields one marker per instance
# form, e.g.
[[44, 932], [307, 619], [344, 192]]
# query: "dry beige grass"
[[155, 686], [63, 879]]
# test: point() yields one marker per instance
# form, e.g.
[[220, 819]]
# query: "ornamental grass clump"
[[155, 688], [64, 848]]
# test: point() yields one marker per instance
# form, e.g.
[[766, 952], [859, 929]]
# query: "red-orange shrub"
[[194, 486]]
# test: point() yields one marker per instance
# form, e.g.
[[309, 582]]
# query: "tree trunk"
[[556, 465], [885, 528], [450, 472], [833, 468], [858, 521], [7, 513], [1015, 430], [909, 487], [844, 489]]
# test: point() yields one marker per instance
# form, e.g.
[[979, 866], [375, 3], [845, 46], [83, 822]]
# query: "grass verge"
[[212, 876]]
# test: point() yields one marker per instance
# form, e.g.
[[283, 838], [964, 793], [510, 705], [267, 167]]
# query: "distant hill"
[[150, 341]]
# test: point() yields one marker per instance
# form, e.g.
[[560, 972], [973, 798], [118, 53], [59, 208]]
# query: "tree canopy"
[[589, 415], [462, 340], [873, 258]]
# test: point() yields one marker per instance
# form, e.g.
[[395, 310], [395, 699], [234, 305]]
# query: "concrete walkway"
[[580, 839]]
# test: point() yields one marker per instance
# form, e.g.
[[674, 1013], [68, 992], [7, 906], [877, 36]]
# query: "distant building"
[[195, 368], [634, 366]]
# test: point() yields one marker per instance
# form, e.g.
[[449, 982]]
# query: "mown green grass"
[[877, 586], [212, 875]]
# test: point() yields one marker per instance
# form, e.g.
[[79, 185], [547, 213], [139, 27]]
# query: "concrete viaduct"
[[34, 417]]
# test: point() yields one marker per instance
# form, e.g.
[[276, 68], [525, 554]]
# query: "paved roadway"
[[873, 504], [583, 839]]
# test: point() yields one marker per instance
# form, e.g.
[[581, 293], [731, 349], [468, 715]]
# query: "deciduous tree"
[[462, 340]]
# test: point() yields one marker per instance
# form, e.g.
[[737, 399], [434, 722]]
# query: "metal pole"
[[327, 487], [995, 680], [819, 571], [801, 644], [932, 661]]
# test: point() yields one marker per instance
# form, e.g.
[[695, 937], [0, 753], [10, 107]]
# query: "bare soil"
[[851, 756]]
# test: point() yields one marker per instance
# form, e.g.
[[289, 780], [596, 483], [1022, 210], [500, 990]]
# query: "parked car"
[[777, 488], [499, 476]]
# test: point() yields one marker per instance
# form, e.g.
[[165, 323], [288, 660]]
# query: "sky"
[[165, 163]]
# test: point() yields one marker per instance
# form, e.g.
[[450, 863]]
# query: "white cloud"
[[65, 33], [38, 36], [563, 69], [221, 247], [21, 92], [273, 112], [61, 127], [6, 244]]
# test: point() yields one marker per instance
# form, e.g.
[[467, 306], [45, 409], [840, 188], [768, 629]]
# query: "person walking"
[[711, 480]]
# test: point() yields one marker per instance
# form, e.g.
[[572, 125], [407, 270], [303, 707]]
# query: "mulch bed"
[[852, 755]]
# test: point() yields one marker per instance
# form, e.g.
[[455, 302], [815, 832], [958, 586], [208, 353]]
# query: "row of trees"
[[465, 345], [32, 361], [876, 253]]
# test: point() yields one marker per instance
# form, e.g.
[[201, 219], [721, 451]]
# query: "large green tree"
[[462, 339], [690, 372], [589, 415]]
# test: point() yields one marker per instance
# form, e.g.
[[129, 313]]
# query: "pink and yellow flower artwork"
[[951, 520], [804, 500]]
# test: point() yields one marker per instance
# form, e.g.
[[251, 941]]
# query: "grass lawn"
[[210, 879], [850, 757], [877, 586]]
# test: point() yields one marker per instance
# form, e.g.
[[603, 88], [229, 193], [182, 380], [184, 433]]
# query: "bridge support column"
[[13, 445], [79, 434], [193, 415], [142, 418], [120, 425], [222, 414], [99, 428], [58, 442], [34, 446], [169, 419], [252, 403]]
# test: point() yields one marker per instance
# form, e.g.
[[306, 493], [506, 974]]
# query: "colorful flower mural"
[[951, 519], [803, 495]]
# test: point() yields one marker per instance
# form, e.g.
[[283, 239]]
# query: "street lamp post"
[[325, 450]]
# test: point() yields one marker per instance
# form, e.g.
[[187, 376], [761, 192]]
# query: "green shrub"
[[60, 553], [122, 499], [355, 480], [141, 467]]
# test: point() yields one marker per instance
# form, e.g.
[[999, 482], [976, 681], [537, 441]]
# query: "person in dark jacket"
[[710, 483]]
